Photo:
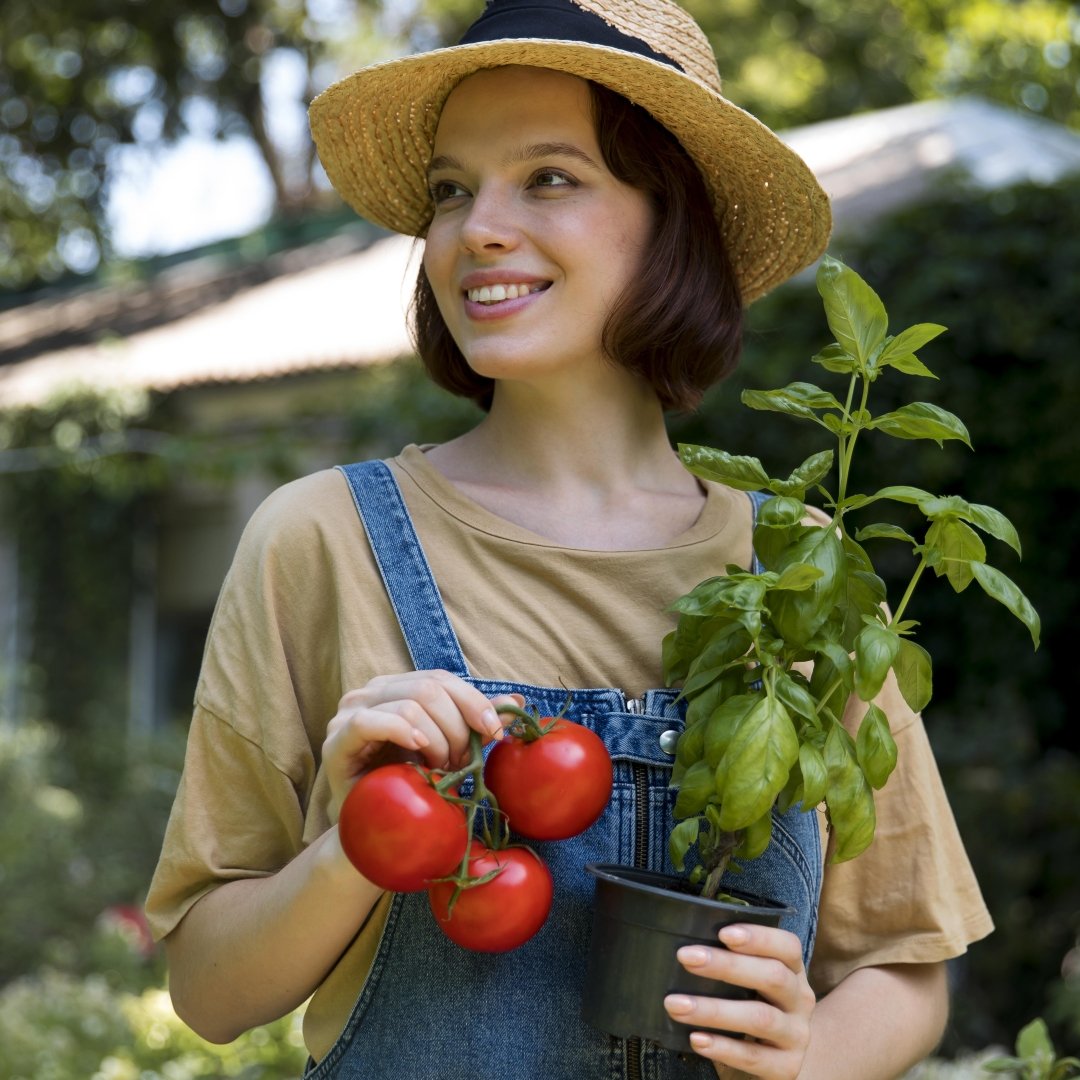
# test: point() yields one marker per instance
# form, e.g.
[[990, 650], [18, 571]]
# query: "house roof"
[[874, 162], [333, 304], [339, 302]]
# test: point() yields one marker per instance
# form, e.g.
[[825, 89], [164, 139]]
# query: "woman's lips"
[[497, 299]]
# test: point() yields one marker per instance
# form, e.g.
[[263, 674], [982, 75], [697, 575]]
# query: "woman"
[[574, 282]]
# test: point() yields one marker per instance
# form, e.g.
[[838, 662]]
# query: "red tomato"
[[504, 912], [553, 787], [398, 831]]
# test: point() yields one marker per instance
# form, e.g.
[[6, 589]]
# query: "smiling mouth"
[[496, 294]]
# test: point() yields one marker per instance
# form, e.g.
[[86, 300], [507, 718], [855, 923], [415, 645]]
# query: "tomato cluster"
[[406, 828]]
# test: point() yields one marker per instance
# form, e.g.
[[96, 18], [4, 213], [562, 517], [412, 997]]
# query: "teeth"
[[494, 294]]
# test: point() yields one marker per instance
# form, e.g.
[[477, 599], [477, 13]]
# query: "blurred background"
[[189, 317]]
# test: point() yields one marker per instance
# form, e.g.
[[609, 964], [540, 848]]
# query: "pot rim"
[[759, 905]]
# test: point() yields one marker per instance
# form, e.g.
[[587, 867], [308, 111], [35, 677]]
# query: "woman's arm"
[[251, 950], [873, 1026], [877, 1023]]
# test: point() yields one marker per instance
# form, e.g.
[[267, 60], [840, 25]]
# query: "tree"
[[80, 77]]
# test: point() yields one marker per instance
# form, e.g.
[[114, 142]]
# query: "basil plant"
[[768, 661]]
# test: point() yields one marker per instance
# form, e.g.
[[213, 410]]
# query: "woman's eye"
[[551, 178], [443, 190]]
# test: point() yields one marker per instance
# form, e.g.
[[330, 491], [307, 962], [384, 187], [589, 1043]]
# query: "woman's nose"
[[491, 222]]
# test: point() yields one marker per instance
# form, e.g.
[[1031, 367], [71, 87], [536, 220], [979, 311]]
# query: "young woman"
[[585, 264]]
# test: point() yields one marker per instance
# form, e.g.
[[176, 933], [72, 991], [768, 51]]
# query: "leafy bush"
[[56, 1026], [66, 857]]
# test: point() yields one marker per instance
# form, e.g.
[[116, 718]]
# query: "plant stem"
[[908, 591]]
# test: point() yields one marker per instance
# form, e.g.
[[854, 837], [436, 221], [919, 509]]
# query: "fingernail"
[[692, 955], [734, 935], [679, 1003], [492, 722], [699, 1041], [419, 737]]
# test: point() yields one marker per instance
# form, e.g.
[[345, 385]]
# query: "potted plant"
[[767, 660]]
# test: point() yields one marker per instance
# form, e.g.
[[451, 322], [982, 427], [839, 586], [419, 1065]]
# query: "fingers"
[[776, 1020], [425, 715]]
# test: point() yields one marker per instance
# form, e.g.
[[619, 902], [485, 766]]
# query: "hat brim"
[[374, 132]]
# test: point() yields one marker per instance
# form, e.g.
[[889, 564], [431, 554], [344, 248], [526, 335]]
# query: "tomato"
[[553, 787], [502, 913], [398, 831]]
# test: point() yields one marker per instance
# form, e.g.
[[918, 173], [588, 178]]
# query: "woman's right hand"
[[419, 715]]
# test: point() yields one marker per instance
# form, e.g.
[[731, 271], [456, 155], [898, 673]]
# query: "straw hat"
[[374, 129]]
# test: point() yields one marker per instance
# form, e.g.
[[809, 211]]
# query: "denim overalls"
[[430, 1009]]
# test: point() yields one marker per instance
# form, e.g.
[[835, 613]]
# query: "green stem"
[[908, 592]]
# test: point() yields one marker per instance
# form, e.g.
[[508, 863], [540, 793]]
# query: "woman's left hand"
[[768, 961]]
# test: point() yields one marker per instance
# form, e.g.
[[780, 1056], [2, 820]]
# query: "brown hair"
[[679, 323]]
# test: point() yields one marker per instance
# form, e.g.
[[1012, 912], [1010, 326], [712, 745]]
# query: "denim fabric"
[[431, 1009]]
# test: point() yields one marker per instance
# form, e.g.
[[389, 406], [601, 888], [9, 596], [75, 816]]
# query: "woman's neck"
[[587, 470]]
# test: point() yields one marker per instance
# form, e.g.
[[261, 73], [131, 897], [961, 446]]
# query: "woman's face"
[[533, 239]]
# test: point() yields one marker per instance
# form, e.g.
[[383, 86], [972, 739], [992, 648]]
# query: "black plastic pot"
[[641, 918]]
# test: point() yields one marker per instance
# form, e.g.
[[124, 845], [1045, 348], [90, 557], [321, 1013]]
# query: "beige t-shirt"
[[303, 617]]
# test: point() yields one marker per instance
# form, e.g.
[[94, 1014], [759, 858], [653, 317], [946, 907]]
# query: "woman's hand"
[[768, 961], [420, 715]]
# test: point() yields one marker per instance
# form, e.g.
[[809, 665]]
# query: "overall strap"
[[756, 499], [405, 571]]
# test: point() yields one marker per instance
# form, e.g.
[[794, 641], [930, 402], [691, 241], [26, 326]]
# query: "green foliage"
[[818, 599], [55, 1026], [67, 855], [1036, 1058]]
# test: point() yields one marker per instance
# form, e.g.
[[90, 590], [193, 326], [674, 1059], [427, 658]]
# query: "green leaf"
[[722, 725], [884, 531], [797, 399], [836, 663], [900, 348], [680, 840], [995, 523], [755, 837], [849, 798], [834, 358], [922, 420], [875, 747], [1003, 1065], [814, 468], [696, 788], [1034, 1039], [675, 665], [910, 364], [798, 615], [876, 648], [781, 511], [854, 311], [901, 493], [757, 764], [798, 578], [795, 696], [914, 674], [727, 643], [815, 776], [717, 595], [1004, 590], [960, 549], [740, 472]]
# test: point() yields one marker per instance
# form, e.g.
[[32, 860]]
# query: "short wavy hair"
[[678, 325]]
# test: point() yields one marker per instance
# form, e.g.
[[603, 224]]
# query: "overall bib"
[[429, 1009]]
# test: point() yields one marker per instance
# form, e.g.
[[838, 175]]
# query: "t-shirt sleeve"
[[236, 815], [911, 897], [270, 681]]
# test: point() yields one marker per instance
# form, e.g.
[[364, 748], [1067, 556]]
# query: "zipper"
[[634, 1047]]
